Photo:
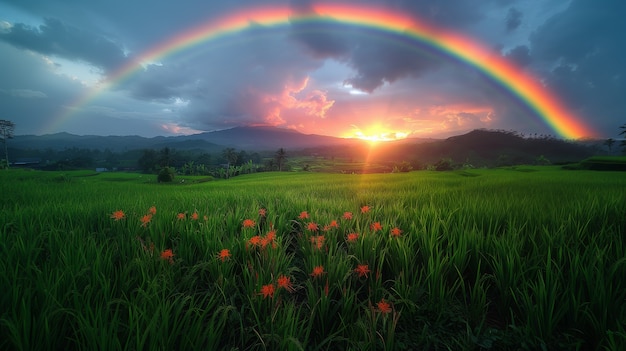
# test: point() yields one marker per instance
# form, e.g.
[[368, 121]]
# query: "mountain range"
[[479, 147], [242, 138]]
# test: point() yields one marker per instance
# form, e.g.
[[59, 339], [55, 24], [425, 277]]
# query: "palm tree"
[[280, 157], [609, 143], [6, 132], [623, 142], [231, 157]]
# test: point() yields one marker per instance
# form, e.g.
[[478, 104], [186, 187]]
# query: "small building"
[[26, 162]]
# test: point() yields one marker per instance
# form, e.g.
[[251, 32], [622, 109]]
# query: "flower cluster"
[[335, 232]]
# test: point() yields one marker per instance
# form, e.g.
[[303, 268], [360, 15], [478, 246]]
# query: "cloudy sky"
[[59, 60]]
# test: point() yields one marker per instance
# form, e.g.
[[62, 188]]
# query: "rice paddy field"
[[526, 258]]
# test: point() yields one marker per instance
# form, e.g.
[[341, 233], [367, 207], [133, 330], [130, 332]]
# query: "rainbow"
[[527, 89]]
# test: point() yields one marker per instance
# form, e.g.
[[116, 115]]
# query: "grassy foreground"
[[507, 259]]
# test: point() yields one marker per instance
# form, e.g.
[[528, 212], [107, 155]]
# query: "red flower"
[[255, 240], [362, 270], [395, 232], [383, 306], [167, 255], [365, 209], [248, 223], [180, 216], [146, 219], [194, 216], [347, 215], [312, 226], [333, 224], [352, 237], [285, 283], [262, 212], [268, 290], [117, 215], [264, 241], [318, 271], [271, 235], [376, 226], [303, 215], [152, 210], [318, 241], [224, 254]]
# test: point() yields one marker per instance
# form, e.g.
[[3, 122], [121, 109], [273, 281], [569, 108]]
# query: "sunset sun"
[[378, 135]]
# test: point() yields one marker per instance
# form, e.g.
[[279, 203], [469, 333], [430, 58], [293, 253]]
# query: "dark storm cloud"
[[520, 55], [382, 61], [379, 59], [513, 19], [57, 38], [582, 61]]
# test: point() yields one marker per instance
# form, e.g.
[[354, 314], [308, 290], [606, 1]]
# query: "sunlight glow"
[[378, 136]]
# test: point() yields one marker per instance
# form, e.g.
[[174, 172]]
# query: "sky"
[[94, 67]]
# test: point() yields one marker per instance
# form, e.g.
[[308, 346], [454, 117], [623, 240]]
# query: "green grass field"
[[524, 258]]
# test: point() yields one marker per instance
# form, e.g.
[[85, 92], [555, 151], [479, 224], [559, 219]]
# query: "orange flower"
[[195, 216], [318, 271], [312, 226], [262, 212], [255, 240], [318, 241], [248, 223], [268, 290], [180, 216], [376, 226], [365, 209], [333, 224], [264, 241], [352, 237], [303, 215], [362, 270], [146, 219], [224, 254], [271, 235], [383, 306], [167, 255], [117, 215], [152, 210], [395, 232], [285, 283], [347, 215]]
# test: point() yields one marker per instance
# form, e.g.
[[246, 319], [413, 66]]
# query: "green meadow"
[[526, 258]]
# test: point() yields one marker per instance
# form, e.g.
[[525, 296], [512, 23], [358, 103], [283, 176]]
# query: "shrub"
[[166, 175]]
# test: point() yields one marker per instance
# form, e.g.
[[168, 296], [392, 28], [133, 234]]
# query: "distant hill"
[[241, 138], [267, 138], [479, 148]]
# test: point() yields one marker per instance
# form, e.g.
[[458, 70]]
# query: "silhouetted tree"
[[609, 143], [231, 157], [623, 142], [6, 132], [148, 161], [280, 157], [165, 157]]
